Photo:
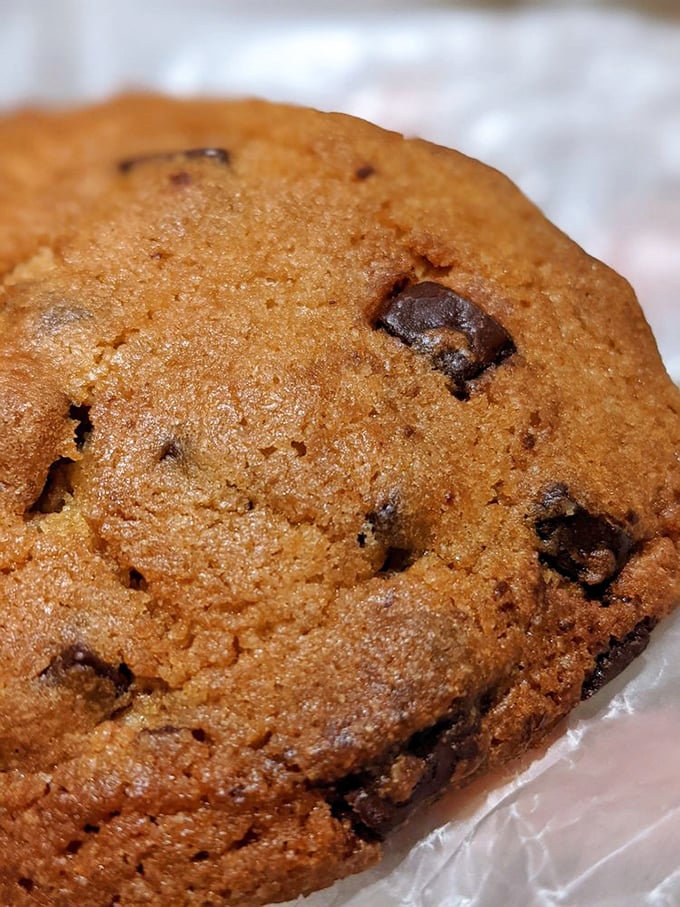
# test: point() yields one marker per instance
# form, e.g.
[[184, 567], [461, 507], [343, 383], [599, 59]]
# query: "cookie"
[[55, 164], [331, 476]]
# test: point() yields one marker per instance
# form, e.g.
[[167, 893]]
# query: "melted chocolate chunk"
[[219, 155], [79, 657], [460, 339], [617, 657], [585, 547], [380, 801]]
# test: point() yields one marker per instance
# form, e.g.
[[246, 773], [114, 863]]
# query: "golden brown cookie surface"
[[329, 472]]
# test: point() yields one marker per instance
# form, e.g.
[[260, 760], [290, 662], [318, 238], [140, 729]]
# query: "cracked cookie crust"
[[331, 474]]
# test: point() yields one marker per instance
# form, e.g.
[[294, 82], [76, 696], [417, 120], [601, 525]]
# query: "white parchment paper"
[[582, 109]]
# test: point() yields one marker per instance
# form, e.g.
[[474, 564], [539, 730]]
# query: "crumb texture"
[[331, 474]]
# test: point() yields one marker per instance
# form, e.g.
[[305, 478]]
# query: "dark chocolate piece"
[[363, 173], [461, 340], [79, 656], [585, 547], [418, 774], [621, 652], [219, 155]]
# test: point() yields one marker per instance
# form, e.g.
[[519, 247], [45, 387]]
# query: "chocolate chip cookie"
[[331, 475]]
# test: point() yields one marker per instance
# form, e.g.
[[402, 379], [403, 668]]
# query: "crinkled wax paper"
[[582, 109]]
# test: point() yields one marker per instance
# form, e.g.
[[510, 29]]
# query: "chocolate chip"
[[363, 173], [621, 652], [417, 774], [556, 500], [219, 155], [586, 547], [79, 657], [460, 339]]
